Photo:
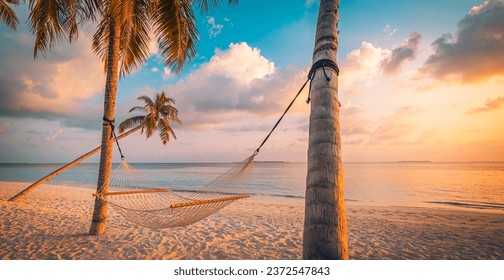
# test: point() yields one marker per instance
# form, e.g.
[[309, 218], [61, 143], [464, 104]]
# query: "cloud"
[[36, 135], [60, 85], [154, 69], [240, 63], [402, 53], [389, 30], [490, 105], [214, 29], [395, 128], [166, 73], [237, 84], [351, 121], [475, 51], [361, 68], [4, 127], [55, 134]]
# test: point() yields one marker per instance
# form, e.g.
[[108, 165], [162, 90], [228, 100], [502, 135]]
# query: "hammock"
[[164, 208]]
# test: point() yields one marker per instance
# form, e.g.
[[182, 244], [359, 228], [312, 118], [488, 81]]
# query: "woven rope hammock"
[[163, 208]]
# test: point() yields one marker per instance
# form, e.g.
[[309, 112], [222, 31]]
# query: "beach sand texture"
[[53, 221]]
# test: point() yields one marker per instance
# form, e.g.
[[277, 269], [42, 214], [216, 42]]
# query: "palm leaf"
[[150, 125], [147, 100], [54, 20], [205, 5], [138, 108], [46, 20], [171, 113], [131, 122], [101, 39], [175, 29], [165, 130], [135, 27], [7, 14], [165, 137]]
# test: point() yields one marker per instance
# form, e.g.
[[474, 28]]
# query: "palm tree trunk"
[[100, 207], [18, 197], [325, 226]]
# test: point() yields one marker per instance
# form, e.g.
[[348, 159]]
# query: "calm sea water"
[[475, 186]]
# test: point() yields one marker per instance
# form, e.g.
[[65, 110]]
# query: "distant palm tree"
[[159, 113], [7, 14], [121, 40]]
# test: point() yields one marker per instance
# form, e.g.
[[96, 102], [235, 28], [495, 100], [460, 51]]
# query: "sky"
[[419, 80]]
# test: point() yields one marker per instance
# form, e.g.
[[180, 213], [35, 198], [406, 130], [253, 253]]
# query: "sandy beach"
[[53, 221]]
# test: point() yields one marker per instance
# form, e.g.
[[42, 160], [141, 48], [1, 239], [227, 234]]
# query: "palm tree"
[[159, 114], [121, 40], [325, 226], [7, 15]]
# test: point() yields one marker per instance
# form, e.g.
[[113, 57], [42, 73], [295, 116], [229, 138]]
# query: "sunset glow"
[[421, 83]]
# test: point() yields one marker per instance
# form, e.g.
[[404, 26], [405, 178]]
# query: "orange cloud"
[[476, 51], [48, 87], [402, 53], [490, 105]]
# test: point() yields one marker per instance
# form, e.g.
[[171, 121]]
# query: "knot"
[[112, 134], [322, 64], [108, 122], [111, 123]]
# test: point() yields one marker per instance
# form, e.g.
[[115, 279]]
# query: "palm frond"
[[135, 27], [46, 21], [138, 108], [147, 100], [150, 125], [71, 23], [55, 20], [175, 29], [101, 39], [170, 113], [131, 123], [7, 14], [163, 134], [205, 5], [165, 130], [88, 10]]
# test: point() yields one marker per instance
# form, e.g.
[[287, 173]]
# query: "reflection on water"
[[473, 186]]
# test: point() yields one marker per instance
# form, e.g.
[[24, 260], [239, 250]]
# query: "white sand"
[[53, 221]]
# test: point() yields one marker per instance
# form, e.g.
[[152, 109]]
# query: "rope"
[[280, 119], [112, 134], [165, 209], [323, 63], [311, 74]]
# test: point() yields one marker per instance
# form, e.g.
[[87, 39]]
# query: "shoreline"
[[430, 205], [52, 223]]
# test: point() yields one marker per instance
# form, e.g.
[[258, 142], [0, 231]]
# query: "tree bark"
[[100, 208], [18, 197], [325, 226]]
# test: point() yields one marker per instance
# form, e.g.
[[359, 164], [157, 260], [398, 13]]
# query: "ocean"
[[470, 186]]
